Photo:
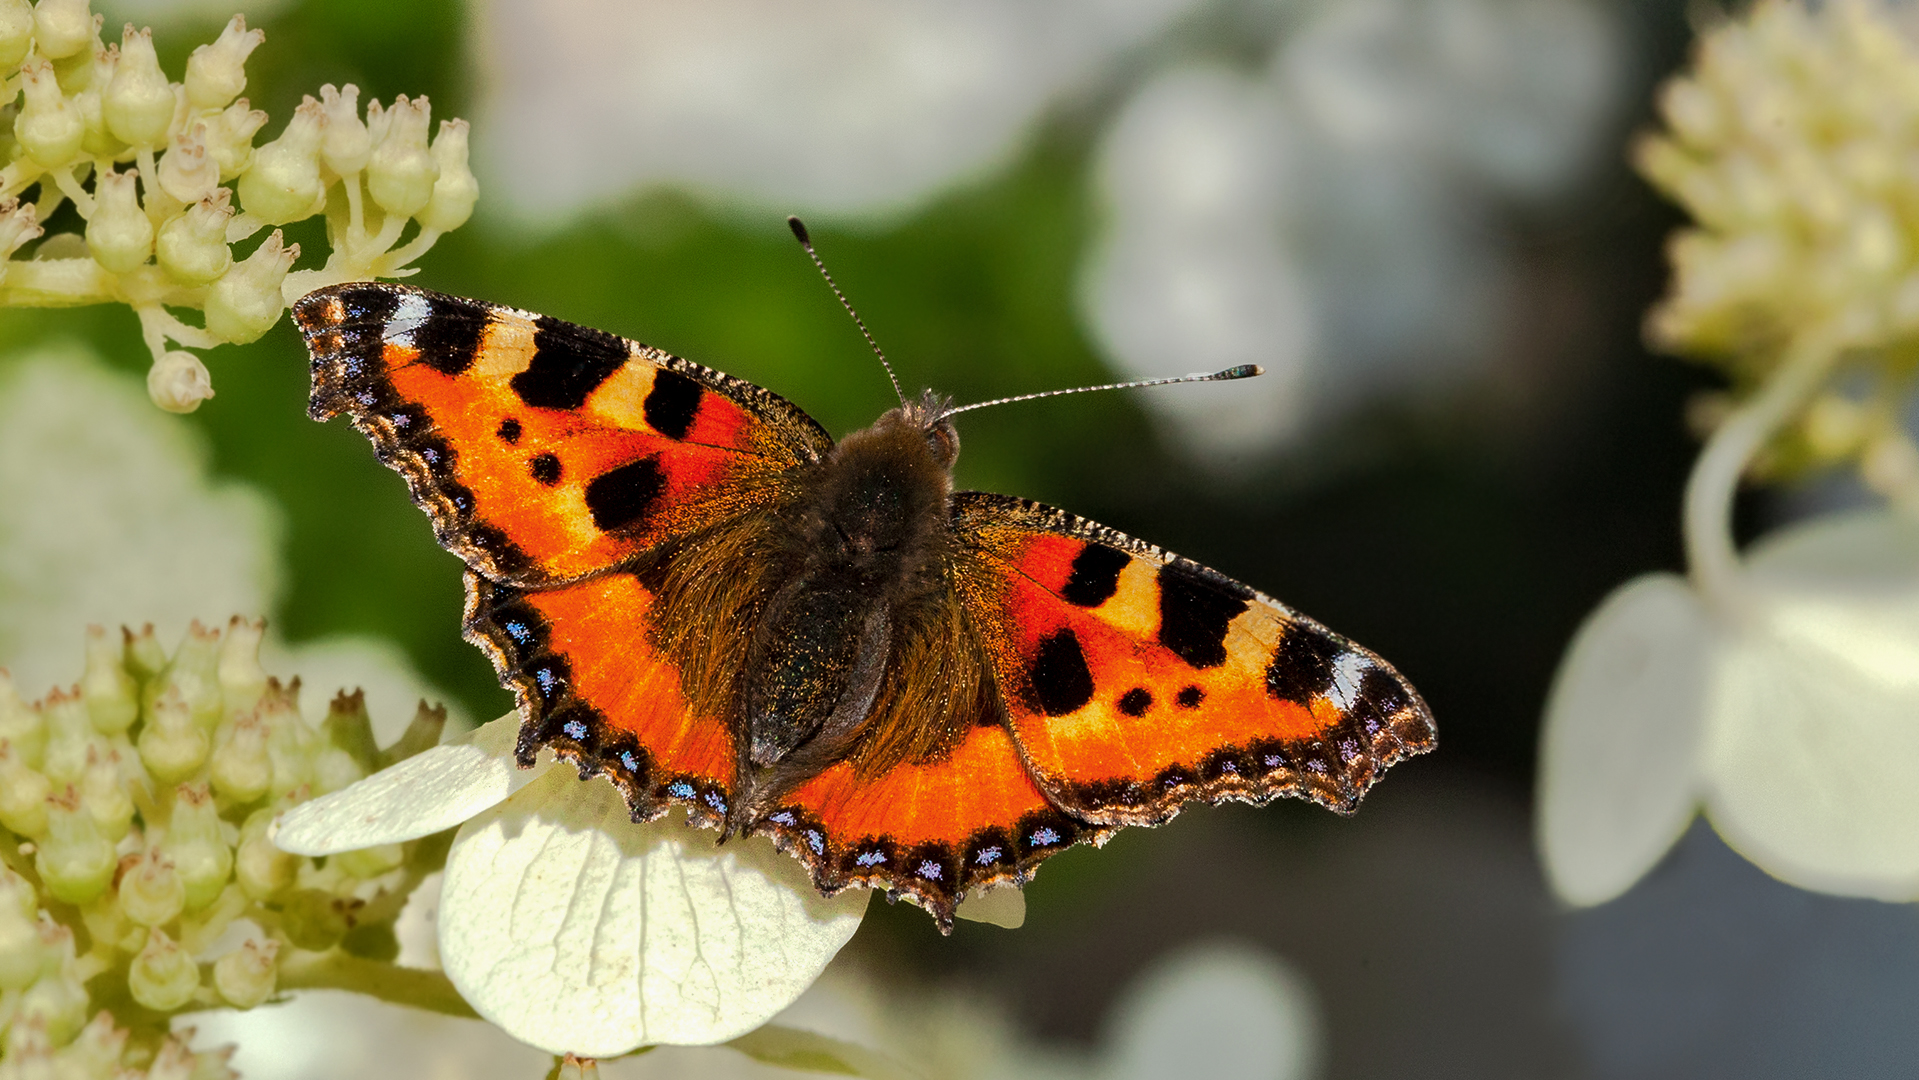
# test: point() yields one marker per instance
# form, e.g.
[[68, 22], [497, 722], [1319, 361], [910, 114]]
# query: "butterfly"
[[692, 589]]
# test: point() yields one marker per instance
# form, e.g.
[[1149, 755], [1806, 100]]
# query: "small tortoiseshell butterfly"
[[690, 587]]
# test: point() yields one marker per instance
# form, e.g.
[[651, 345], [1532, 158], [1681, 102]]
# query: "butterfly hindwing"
[[542, 450], [1136, 680]]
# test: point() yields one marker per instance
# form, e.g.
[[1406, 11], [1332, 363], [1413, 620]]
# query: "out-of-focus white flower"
[[1327, 218], [576, 930], [850, 105]]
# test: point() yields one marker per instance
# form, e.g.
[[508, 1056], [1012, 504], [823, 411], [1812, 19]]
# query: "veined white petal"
[[575, 930], [430, 791], [1814, 717], [1618, 773]]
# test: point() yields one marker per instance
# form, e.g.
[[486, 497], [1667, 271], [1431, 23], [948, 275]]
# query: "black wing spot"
[[1095, 575], [369, 303], [673, 403], [1136, 701], [1302, 664], [1195, 613], [545, 469], [622, 498], [1061, 681], [509, 432], [1190, 697], [448, 339], [569, 363], [1382, 691]]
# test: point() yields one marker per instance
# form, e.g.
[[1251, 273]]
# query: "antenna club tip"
[[799, 229], [1243, 371]]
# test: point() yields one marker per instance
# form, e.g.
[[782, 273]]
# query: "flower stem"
[[1712, 560], [335, 970]]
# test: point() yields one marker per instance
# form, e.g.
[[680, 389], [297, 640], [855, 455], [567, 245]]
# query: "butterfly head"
[[931, 415]]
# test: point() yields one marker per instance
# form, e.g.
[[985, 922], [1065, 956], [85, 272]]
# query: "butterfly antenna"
[[1243, 371], [799, 231]]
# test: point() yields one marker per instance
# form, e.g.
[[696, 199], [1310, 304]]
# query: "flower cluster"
[[1790, 143], [160, 234], [136, 876]]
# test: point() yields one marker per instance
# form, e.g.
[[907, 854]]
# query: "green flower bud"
[[187, 171], [289, 740], [263, 870], [57, 1001], [172, 745], [284, 183], [98, 142], [347, 144], [244, 304], [178, 382], [365, 863], [151, 892], [194, 671], [176, 1062], [422, 733], [138, 103], [28, 1051], [192, 248], [316, 920], [197, 846], [112, 697], [78, 71], [104, 794], [217, 73], [18, 224], [62, 27], [95, 1052], [455, 192], [23, 957], [246, 976], [48, 128], [16, 32], [75, 861], [242, 769], [119, 234], [163, 977], [145, 657], [23, 794], [401, 171], [71, 740], [21, 724], [230, 137], [242, 679], [348, 728]]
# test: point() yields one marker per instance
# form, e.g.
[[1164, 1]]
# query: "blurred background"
[[1417, 214]]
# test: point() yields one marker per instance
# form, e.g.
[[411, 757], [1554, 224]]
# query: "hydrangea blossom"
[[1777, 690]]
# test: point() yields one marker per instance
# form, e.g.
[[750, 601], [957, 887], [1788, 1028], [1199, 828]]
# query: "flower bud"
[[316, 920], [48, 128], [98, 142], [176, 1062], [422, 733], [194, 671], [111, 694], [284, 183], [62, 27], [230, 137], [21, 724], [28, 1049], [95, 1052], [57, 1001], [23, 794], [347, 143], [401, 171], [78, 70], [16, 32], [288, 737], [187, 171], [242, 769], [104, 794], [178, 382], [151, 892], [246, 302], [192, 248], [246, 976], [75, 862], [217, 73], [18, 224], [196, 846], [242, 679], [263, 870], [138, 102], [22, 956], [577, 1068], [71, 740], [455, 192], [349, 729], [145, 657], [119, 234], [171, 744], [366, 863], [163, 976]]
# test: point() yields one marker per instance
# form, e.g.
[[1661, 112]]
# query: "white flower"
[[574, 929], [1794, 722]]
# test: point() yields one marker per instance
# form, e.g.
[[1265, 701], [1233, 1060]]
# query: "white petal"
[[430, 791], [1618, 774], [1216, 1010], [578, 931], [1814, 717], [1004, 906]]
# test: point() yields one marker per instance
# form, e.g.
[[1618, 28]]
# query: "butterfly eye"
[[943, 439]]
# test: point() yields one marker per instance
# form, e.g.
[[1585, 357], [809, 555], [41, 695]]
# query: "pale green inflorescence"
[[134, 849], [154, 167]]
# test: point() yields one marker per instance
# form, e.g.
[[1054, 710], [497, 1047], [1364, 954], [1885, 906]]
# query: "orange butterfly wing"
[[1136, 680]]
